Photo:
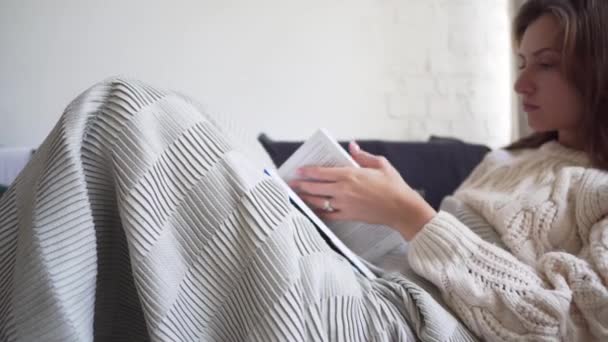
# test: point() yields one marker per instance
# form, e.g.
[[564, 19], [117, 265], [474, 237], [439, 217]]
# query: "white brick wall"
[[452, 76], [390, 69]]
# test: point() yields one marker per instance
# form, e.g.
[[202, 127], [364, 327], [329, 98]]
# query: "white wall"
[[391, 69]]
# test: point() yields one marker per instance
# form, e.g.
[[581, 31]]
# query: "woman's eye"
[[547, 64]]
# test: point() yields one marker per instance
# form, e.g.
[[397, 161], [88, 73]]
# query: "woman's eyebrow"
[[539, 52], [545, 49]]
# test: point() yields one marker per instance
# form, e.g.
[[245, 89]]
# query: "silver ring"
[[327, 206]]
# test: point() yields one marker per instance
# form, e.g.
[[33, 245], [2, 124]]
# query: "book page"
[[366, 240], [319, 150]]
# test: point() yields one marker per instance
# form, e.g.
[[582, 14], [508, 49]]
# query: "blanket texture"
[[141, 217]]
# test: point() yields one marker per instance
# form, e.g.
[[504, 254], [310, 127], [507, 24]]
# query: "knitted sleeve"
[[502, 299]]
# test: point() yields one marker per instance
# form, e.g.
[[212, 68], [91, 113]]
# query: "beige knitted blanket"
[[141, 217]]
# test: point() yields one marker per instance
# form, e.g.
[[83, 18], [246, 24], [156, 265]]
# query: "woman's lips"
[[528, 107]]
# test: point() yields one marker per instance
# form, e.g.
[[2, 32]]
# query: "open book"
[[349, 238]]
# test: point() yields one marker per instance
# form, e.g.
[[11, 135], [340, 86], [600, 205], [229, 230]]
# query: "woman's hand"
[[374, 193]]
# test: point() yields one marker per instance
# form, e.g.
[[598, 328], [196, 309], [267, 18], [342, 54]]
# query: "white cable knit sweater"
[[550, 209]]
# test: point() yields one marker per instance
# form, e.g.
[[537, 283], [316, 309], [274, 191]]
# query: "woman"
[[546, 196], [139, 218]]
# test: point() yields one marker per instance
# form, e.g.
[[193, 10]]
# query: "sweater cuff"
[[444, 242]]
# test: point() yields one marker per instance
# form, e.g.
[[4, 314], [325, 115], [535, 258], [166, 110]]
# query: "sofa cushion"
[[435, 168]]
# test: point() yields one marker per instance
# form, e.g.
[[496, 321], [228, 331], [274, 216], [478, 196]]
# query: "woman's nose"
[[524, 84]]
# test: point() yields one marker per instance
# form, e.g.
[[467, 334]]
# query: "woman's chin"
[[537, 127]]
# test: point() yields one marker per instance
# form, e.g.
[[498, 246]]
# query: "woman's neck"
[[571, 140]]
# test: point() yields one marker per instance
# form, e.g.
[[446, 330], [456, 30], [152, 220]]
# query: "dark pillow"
[[435, 168]]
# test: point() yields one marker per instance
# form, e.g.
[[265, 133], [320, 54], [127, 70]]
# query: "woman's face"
[[551, 102]]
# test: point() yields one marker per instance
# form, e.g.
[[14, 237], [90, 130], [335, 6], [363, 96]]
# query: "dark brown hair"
[[584, 25]]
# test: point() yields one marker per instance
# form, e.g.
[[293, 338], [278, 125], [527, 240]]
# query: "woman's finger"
[[319, 202], [326, 174], [366, 159], [314, 188], [330, 216]]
